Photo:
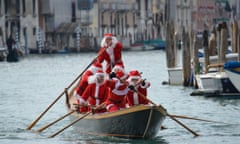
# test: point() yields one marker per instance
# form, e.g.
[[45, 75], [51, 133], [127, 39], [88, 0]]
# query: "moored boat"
[[141, 121], [232, 68], [217, 82]]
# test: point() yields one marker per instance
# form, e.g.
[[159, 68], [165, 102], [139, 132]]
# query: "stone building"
[[77, 25], [19, 19]]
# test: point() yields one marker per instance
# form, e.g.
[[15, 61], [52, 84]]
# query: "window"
[[34, 31], [34, 7], [73, 12], [0, 7], [6, 6], [17, 7], [23, 7]]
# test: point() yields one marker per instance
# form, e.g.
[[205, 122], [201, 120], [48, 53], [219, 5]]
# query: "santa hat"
[[95, 66], [121, 75], [99, 73], [118, 67], [107, 35], [93, 78], [134, 74]]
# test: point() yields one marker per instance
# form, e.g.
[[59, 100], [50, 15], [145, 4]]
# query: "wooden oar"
[[40, 116], [169, 115], [76, 120], [193, 118], [50, 124], [72, 123]]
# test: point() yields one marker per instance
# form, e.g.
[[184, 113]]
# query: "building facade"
[[80, 24]]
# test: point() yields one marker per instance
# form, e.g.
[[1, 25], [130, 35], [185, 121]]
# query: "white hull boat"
[[233, 71]]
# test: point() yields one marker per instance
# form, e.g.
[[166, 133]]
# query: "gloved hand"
[[143, 82], [131, 87], [112, 75]]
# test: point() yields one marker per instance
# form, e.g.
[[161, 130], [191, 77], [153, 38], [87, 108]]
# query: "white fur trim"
[[134, 77], [94, 69], [114, 42], [76, 95], [124, 76], [99, 74], [82, 101], [111, 54], [108, 106], [92, 79], [135, 98], [118, 68], [119, 92]]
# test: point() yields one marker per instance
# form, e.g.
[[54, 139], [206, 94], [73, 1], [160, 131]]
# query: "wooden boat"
[[141, 121]]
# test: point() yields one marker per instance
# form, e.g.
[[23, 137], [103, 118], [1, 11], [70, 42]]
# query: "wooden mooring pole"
[[223, 43], [170, 48], [186, 58], [235, 39]]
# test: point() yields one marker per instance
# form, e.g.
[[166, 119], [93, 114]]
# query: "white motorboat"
[[232, 68]]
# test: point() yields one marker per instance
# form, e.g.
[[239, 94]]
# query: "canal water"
[[30, 85]]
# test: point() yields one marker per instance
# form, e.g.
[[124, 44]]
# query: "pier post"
[[223, 43], [186, 58], [170, 51], [206, 50], [234, 36]]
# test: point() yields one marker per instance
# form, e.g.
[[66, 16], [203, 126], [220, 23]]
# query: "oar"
[[40, 116], [75, 121], [193, 118], [50, 124], [143, 96], [72, 123]]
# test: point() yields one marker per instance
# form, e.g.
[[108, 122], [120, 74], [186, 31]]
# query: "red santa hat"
[[106, 35], [134, 74], [99, 73], [121, 75], [95, 66], [118, 67]]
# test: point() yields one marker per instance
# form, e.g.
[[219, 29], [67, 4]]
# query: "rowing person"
[[111, 52], [140, 86], [118, 88], [83, 82], [96, 92]]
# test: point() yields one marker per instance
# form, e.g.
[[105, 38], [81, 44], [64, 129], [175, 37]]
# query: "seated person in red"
[[96, 92], [111, 52], [117, 93], [83, 82], [140, 85]]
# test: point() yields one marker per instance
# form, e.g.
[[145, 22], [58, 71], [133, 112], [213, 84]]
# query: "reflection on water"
[[29, 86]]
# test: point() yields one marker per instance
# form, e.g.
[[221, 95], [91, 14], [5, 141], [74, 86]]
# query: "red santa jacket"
[[83, 83], [95, 93], [134, 98], [117, 93], [84, 79], [112, 56]]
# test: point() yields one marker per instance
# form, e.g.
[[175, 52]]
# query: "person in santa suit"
[[134, 97], [118, 88], [83, 82], [118, 67], [96, 92], [111, 52]]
